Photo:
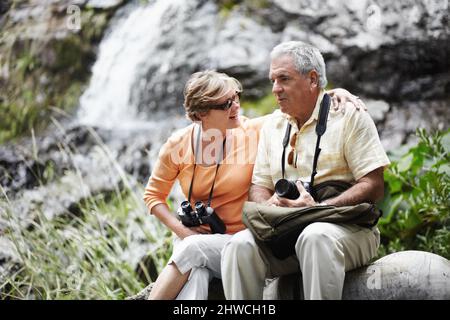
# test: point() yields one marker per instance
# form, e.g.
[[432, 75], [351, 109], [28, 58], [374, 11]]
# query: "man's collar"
[[314, 115]]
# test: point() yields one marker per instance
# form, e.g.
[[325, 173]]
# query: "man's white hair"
[[305, 56]]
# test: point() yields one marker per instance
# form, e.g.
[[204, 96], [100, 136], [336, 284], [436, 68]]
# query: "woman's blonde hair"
[[204, 89]]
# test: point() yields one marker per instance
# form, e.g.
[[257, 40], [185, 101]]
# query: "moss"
[[258, 4], [226, 6], [93, 25], [70, 98]]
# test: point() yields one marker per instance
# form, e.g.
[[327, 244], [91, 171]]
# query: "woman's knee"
[[193, 244], [189, 253]]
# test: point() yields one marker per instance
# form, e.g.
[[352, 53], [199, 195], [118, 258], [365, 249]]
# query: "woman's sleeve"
[[163, 176]]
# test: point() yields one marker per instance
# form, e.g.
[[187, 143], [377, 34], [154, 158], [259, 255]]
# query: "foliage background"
[[417, 201]]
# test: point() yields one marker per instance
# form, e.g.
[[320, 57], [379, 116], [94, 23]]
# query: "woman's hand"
[[192, 231], [340, 97]]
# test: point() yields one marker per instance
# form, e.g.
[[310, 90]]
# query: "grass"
[[83, 254]]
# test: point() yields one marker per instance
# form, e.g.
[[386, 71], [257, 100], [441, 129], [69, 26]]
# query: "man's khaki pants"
[[199, 254], [324, 252]]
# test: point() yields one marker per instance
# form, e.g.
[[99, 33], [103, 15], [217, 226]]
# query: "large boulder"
[[415, 275]]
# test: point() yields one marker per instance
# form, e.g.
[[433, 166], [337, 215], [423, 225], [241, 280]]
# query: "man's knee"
[[314, 236]]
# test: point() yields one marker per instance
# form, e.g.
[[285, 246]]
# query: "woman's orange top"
[[176, 161]]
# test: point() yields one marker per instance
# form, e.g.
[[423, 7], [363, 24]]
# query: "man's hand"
[[369, 188], [273, 201], [259, 194], [305, 199]]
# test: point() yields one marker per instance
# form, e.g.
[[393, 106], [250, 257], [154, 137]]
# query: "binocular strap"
[[219, 159]]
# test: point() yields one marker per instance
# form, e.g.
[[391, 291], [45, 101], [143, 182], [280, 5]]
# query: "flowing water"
[[108, 101]]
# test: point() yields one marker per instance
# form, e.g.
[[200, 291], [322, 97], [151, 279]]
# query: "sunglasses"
[[227, 105], [293, 152]]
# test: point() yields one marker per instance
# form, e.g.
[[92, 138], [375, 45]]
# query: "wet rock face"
[[104, 4], [395, 52], [410, 70], [23, 166], [383, 50], [16, 172], [379, 49], [193, 37], [49, 156], [4, 6]]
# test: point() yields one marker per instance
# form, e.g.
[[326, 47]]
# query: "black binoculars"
[[201, 215], [288, 189]]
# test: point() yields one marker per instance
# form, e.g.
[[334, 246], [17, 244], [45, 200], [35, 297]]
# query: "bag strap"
[[197, 146], [321, 127]]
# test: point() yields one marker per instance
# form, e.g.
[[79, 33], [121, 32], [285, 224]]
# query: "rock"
[[382, 50], [215, 291], [7, 251], [377, 109], [143, 294], [238, 52], [404, 275], [104, 4], [415, 275], [4, 7], [403, 119], [387, 52]]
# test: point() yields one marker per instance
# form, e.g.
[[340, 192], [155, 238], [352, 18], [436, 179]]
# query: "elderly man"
[[351, 152]]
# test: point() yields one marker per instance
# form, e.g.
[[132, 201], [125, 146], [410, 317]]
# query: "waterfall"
[[107, 102]]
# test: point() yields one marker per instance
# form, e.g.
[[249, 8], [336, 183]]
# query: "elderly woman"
[[213, 161]]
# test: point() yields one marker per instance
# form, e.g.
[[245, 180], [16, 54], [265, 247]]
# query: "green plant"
[[417, 201], [84, 252]]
